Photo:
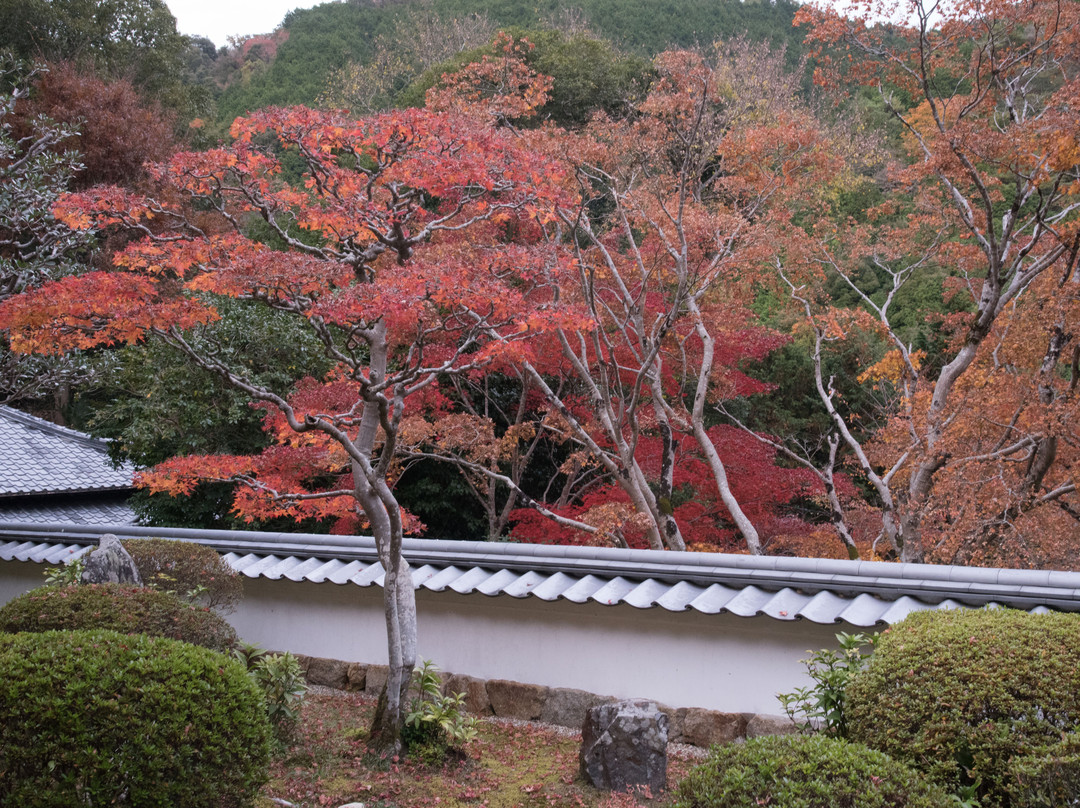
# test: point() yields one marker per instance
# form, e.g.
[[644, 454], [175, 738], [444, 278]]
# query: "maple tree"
[[677, 207], [391, 244], [978, 442]]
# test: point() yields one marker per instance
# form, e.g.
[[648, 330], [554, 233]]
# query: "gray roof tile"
[[40, 457], [820, 590]]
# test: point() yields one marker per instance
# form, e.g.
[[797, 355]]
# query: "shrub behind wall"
[[119, 607]]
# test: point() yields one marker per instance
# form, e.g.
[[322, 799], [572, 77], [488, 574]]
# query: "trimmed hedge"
[[182, 567], [119, 607], [103, 718], [960, 694], [805, 771], [1049, 780]]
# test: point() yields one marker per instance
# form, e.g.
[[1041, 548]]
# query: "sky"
[[218, 19]]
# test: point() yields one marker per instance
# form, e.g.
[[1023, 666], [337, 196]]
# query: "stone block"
[[474, 690], [516, 700], [355, 677], [624, 744], [566, 707], [701, 727], [375, 680], [327, 672], [762, 724]]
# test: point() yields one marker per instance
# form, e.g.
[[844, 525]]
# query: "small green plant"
[[282, 681], [822, 707], [435, 722], [67, 574]]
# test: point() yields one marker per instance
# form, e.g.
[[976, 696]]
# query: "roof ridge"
[[42, 425]]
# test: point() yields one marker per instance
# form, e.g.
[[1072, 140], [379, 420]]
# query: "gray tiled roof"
[[76, 510], [39, 457], [820, 590]]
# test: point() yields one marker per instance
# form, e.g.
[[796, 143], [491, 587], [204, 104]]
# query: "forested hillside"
[[634, 276], [325, 38]]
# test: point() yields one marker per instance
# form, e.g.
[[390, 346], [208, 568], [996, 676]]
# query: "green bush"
[[119, 607], [192, 571], [958, 694], [1049, 780], [102, 718], [804, 771]]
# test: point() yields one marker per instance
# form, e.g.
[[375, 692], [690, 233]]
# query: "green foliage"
[[959, 693], [135, 39], [1047, 780], [435, 722], [153, 404], [67, 574], [191, 571], [804, 771], [588, 75], [117, 607], [324, 38], [822, 707], [283, 685], [100, 718]]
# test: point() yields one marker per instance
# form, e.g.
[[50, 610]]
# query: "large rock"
[[356, 677], [516, 700], [110, 563], [327, 672], [624, 745]]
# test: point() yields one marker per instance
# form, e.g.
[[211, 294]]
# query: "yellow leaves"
[[891, 367]]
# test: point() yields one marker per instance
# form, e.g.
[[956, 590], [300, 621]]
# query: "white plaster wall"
[[683, 659], [17, 577]]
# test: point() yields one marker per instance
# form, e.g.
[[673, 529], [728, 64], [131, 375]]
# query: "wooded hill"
[[327, 37]]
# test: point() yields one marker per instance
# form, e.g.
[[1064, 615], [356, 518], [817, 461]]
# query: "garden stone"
[[110, 563], [761, 725], [327, 672], [516, 699], [624, 745]]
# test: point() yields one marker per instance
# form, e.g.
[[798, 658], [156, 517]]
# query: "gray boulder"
[[110, 563], [624, 745]]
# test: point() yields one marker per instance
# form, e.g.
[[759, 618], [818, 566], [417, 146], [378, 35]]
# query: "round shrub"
[[120, 607], [103, 718], [185, 568], [1049, 780], [805, 771], [960, 693]]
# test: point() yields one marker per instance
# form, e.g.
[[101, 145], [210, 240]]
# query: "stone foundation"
[[561, 706]]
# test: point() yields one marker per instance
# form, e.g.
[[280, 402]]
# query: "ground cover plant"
[[505, 765]]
